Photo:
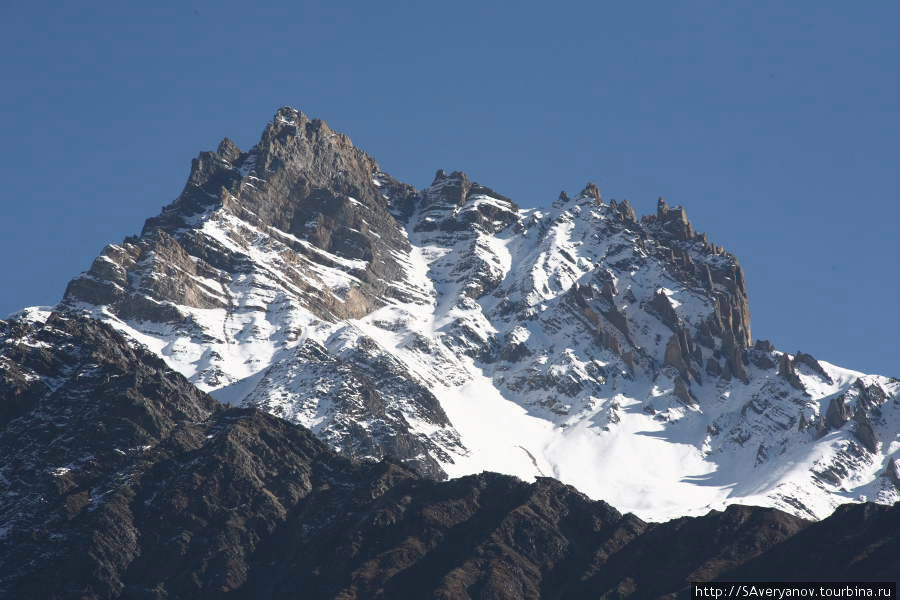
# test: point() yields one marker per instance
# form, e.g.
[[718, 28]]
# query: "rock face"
[[260, 249], [361, 405], [457, 332], [123, 480], [857, 543]]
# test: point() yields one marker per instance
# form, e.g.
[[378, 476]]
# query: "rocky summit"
[[301, 372]]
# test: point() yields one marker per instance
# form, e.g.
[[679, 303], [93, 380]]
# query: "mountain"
[[456, 332], [121, 479]]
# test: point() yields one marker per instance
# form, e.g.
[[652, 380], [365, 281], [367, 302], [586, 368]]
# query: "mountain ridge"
[[601, 339]]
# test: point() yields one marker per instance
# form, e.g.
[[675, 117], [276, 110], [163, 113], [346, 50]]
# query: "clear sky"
[[776, 124]]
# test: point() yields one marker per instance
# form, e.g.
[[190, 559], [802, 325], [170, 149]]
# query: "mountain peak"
[[228, 150], [591, 191], [457, 332], [289, 115]]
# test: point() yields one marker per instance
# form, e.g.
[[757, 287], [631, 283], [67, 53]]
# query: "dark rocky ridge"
[[122, 480]]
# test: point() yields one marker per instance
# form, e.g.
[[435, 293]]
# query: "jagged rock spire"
[[592, 191], [228, 150]]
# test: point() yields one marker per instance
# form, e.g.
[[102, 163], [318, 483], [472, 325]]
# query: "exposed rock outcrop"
[[892, 471], [305, 186], [813, 364], [788, 372], [838, 412], [866, 434]]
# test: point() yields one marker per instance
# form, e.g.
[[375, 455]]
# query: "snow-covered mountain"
[[458, 332]]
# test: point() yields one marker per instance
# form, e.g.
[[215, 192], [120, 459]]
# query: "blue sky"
[[775, 124]]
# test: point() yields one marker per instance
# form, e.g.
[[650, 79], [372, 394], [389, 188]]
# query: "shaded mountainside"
[[122, 480], [616, 351]]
